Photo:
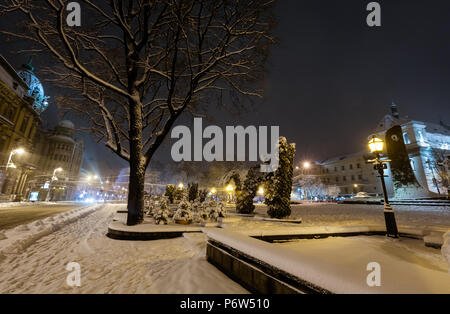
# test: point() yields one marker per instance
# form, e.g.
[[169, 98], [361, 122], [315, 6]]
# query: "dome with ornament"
[[36, 89]]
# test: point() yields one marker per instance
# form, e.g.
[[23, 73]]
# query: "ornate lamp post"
[[376, 146], [230, 190], [54, 178]]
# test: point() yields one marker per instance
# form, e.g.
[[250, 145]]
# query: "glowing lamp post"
[[18, 151], [376, 146], [181, 186], [230, 190], [261, 191], [54, 178]]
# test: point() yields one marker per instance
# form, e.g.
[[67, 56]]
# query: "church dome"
[[66, 124], [36, 90]]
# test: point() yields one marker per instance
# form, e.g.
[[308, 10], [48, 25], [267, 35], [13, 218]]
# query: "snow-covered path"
[[112, 266]]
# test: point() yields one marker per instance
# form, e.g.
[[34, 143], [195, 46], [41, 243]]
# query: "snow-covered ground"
[[33, 257], [361, 214], [111, 266]]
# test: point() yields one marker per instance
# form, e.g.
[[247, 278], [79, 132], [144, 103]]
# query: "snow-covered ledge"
[[326, 271]]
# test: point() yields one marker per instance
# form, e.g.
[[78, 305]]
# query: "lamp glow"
[[19, 151], [376, 145]]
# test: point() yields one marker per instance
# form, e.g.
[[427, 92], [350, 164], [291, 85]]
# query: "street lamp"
[[230, 189], [376, 146], [181, 186], [54, 177], [261, 191], [18, 151], [305, 166]]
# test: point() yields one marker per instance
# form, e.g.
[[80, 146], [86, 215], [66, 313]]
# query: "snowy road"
[[111, 266]]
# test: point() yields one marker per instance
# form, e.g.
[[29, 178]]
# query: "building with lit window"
[[427, 145], [22, 100], [59, 155]]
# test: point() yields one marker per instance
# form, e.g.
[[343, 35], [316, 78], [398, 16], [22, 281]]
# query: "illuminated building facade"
[[427, 145], [22, 100]]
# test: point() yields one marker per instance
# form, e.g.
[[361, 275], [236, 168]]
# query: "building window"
[[24, 125], [344, 178], [406, 138], [359, 176], [9, 113], [420, 135], [335, 169], [337, 179], [343, 168], [351, 166], [353, 178], [358, 165]]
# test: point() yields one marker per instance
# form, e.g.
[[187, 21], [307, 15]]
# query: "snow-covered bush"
[[217, 211], [204, 212], [213, 214], [221, 210], [183, 212], [278, 190], [150, 207], [195, 207], [162, 214]]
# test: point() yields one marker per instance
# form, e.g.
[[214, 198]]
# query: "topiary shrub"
[[278, 190]]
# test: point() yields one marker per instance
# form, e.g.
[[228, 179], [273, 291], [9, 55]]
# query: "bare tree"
[[135, 66], [439, 166]]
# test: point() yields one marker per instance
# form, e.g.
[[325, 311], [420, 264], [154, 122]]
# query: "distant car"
[[362, 195]]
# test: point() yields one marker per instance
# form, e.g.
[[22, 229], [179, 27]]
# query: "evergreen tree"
[[192, 191], [278, 190], [170, 192]]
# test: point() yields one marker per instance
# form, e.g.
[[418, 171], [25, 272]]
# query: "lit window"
[[413, 166], [406, 138], [420, 135]]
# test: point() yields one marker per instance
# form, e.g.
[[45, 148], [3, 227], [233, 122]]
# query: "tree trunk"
[[137, 167], [136, 193]]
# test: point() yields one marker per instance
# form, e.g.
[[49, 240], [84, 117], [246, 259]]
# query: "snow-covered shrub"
[[195, 207], [162, 214], [278, 190], [183, 212], [150, 207], [213, 214], [221, 210], [244, 197], [204, 212], [202, 194], [212, 203], [217, 211]]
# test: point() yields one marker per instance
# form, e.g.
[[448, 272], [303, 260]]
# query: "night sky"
[[332, 78]]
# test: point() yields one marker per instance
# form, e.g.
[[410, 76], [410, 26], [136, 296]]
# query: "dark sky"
[[332, 78]]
